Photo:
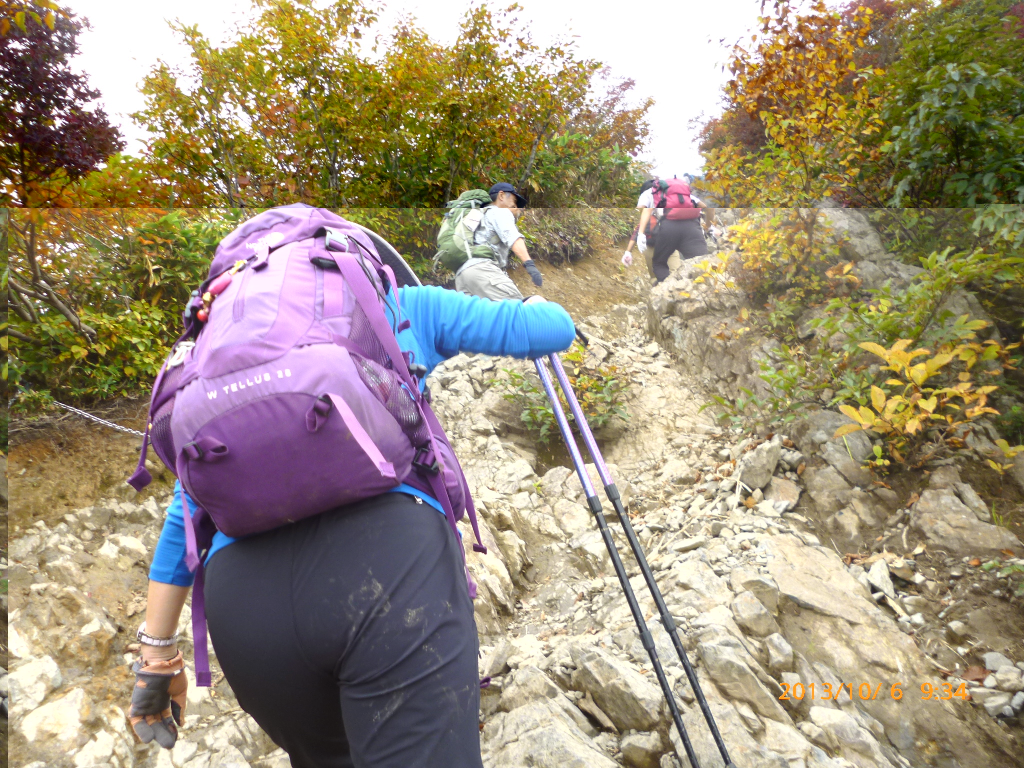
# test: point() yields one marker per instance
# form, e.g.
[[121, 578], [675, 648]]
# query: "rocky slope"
[[811, 655]]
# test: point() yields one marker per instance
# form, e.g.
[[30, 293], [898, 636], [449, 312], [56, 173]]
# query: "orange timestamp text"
[[868, 692]]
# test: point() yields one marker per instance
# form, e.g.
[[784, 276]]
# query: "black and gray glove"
[[158, 700], [530, 267]]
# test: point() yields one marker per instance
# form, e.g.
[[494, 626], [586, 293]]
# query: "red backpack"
[[674, 196]]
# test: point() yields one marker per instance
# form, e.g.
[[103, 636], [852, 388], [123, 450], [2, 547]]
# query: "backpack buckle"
[[180, 351], [340, 239], [423, 456]]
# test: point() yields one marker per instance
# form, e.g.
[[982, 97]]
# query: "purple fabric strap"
[[200, 650], [367, 298], [386, 468], [140, 477]]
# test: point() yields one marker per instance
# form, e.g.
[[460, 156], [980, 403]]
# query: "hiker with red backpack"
[[678, 229], [318, 497]]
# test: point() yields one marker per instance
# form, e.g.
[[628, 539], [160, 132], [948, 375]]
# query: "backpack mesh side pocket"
[[160, 420], [387, 388]]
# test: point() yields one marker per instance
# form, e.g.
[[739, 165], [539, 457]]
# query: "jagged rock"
[[818, 429], [1010, 679], [827, 488], [843, 729], [538, 734], [784, 494], [32, 681], [780, 654], [730, 671], [708, 590], [629, 700], [763, 587], [996, 661], [757, 467], [752, 616], [641, 750], [878, 575], [973, 502], [946, 523], [848, 458], [58, 723], [678, 472], [589, 706], [528, 683]]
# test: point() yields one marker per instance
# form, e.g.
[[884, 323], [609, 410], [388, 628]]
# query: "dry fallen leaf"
[[788, 443], [800, 469], [976, 673], [974, 563], [913, 499], [1007, 552]]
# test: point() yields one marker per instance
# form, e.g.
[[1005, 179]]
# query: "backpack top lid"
[[474, 198], [284, 224]]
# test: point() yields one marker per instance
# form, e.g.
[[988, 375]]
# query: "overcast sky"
[[671, 49]]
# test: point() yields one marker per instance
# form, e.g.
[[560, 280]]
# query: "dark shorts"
[[687, 237], [350, 638]]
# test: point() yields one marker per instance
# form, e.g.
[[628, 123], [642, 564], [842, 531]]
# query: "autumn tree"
[[303, 106], [792, 81], [49, 135]]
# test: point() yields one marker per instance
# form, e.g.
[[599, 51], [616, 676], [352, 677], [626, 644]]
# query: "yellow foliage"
[[918, 412]]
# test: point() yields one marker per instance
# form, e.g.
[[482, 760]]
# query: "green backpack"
[[455, 239]]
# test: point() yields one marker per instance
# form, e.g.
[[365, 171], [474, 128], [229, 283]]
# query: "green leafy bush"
[[599, 391]]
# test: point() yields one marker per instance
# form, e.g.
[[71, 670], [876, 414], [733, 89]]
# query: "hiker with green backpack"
[[475, 240]]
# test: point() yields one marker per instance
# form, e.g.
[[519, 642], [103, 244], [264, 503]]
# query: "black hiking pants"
[[687, 237], [350, 638]]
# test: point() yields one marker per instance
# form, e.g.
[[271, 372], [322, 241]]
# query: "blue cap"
[[504, 186]]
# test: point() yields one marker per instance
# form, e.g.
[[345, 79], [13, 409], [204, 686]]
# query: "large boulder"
[[947, 523], [626, 696]]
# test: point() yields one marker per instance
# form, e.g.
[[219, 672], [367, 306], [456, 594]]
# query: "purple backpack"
[[288, 395]]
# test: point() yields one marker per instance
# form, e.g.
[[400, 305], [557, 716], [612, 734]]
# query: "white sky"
[[671, 49]]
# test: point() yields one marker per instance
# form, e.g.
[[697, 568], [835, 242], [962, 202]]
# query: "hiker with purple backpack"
[[322, 498]]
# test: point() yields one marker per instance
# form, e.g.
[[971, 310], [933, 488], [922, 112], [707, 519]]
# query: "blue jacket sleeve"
[[168, 565], [448, 322]]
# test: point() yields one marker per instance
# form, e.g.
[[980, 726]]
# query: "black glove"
[[534, 273], [158, 700]]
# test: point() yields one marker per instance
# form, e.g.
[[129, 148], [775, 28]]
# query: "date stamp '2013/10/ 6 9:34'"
[[868, 692]]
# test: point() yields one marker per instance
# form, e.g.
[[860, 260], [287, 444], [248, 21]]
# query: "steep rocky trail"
[[811, 655]]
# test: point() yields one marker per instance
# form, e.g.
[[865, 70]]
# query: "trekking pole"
[[613, 496], [646, 638]]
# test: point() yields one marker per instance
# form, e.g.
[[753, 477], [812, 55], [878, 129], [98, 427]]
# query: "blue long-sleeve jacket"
[[442, 324]]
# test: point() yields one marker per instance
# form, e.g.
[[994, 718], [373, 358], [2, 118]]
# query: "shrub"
[[566, 235], [599, 391]]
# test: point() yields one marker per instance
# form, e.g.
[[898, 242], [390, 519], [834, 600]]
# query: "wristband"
[[159, 642]]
